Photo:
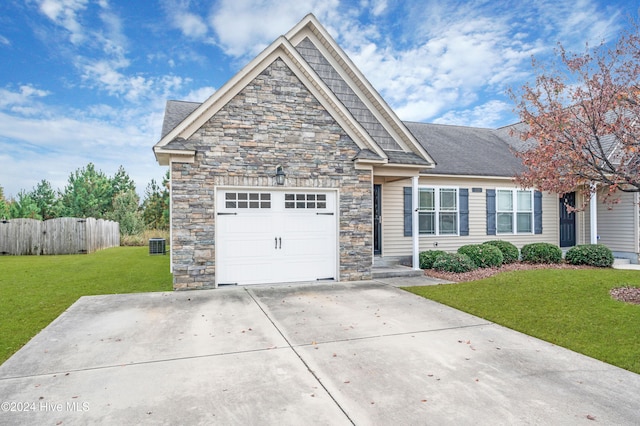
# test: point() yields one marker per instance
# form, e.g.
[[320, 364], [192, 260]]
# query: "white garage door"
[[269, 236]]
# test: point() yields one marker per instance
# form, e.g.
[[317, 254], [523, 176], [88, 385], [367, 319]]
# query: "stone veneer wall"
[[274, 120]]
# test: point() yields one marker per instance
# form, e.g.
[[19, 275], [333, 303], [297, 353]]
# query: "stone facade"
[[273, 120]]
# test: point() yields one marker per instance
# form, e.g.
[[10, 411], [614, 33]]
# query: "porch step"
[[394, 271], [618, 261]]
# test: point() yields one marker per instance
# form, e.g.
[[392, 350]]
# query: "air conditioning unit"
[[157, 246]]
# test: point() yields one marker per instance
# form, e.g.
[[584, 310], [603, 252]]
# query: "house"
[[297, 170]]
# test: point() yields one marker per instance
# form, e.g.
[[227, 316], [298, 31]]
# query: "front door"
[[377, 219], [567, 221]]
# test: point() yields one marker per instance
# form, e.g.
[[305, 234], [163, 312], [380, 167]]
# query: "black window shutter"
[[537, 212], [463, 196], [407, 211], [491, 212]]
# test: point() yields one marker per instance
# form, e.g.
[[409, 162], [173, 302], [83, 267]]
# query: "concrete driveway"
[[359, 353]]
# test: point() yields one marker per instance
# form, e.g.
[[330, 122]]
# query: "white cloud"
[[64, 13], [247, 27], [191, 25], [5, 41], [488, 115], [26, 94], [199, 95]]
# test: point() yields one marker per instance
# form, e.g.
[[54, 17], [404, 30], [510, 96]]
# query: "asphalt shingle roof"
[[175, 112], [459, 150]]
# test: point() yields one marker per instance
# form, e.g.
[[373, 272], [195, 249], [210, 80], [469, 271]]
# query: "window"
[[438, 211], [247, 200], [305, 201], [514, 211]]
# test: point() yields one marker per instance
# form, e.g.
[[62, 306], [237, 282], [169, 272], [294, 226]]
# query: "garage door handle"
[[280, 241], [227, 214], [324, 214], [276, 238]]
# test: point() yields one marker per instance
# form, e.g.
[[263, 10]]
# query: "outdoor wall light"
[[280, 175]]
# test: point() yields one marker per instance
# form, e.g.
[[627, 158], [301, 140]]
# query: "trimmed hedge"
[[428, 257], [590, 254], [510, 252], [454, 262], [483, 255], [541, 253]]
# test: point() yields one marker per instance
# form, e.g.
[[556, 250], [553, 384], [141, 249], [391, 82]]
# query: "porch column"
[[414, 223], [593, 214]]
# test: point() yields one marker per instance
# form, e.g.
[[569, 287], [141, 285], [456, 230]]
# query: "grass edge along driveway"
[[35, 290], [569, 308]]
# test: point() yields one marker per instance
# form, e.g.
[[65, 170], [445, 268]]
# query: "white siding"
[[618, 223], [394, 243]]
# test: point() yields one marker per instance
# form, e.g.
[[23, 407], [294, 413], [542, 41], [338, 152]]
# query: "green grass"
[[34, 290], [570, 308]]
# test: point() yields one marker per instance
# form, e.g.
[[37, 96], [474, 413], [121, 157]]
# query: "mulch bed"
[[481, 273], [626, 294], [623, 294]]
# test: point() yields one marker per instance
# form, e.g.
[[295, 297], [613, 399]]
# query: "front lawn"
[[34, 290], [570, 308]]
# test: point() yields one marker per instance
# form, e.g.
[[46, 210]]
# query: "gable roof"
[[468, 151], [342, 90]]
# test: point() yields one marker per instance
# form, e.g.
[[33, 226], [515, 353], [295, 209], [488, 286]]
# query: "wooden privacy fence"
[[64, 235]]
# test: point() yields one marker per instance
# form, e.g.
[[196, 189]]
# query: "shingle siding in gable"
[[347, 96]]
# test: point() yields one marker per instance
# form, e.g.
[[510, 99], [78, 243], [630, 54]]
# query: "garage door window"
[[247, 200], [305, 201]]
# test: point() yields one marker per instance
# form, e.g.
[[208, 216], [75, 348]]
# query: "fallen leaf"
[[347, 381], [590, 417], [423, 400], [335, 355]]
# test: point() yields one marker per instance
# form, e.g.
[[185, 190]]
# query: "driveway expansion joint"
[[309, 369]]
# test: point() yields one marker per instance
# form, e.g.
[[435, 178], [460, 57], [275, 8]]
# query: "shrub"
[[483, 255], [454, 262], [541, 253], [428, 257], [590, 254], [510, 252]]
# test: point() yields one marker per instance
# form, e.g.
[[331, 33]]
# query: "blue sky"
[[87, 80]]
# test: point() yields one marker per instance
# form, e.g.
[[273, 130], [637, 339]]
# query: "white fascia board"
[[310, 27], [166, 157], [395, 171], [280, 49], [220, 97]]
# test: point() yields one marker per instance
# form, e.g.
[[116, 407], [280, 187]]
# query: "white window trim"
[[514, 213], [437, 211]]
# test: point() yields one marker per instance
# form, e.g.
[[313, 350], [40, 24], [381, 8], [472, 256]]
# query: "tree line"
[[91, 193]]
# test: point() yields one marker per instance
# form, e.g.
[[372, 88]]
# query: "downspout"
[[415, 232], [593, 214]]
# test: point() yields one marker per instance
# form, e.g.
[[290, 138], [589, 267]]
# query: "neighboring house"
[[297, 170]]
